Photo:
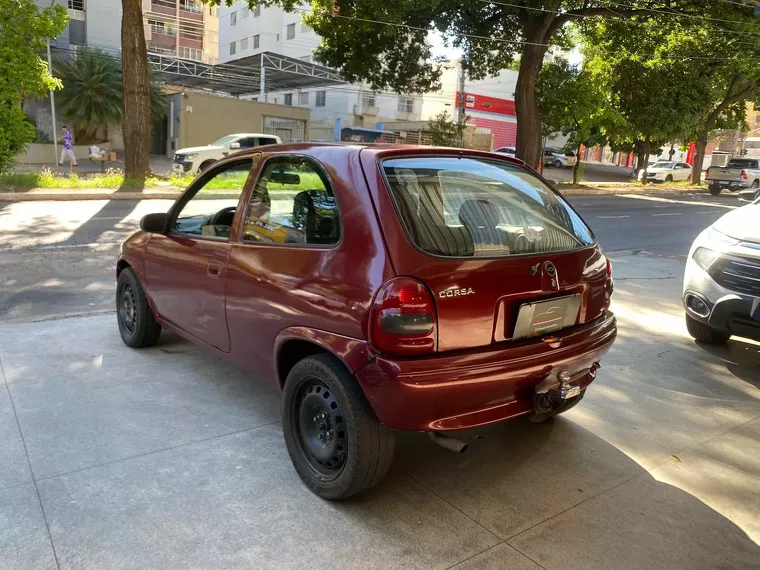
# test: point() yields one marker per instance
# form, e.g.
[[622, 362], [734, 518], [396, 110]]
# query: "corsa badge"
[[455, 293]]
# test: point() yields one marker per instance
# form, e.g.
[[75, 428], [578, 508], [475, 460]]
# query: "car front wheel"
[[336, 443], [705, 333], [137, 324], [557, 164]]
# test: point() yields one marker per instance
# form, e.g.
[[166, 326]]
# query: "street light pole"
[[52, 97]]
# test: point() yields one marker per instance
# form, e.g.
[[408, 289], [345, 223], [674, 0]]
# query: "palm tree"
[[93, 92]]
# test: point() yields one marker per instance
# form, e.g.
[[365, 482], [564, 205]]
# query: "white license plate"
[[535, 319]]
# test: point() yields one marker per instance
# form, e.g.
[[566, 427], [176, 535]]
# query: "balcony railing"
[[77, 5]]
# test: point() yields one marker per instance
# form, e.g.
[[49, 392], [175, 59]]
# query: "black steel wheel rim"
[[320, 428], [128, 308]]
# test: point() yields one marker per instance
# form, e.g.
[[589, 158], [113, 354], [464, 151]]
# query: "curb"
[[78, 196]]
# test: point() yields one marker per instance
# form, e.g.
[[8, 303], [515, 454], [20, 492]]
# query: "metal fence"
[[289, 130]]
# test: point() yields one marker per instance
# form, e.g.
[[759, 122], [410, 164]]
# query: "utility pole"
[[52, 98], [461, 118]]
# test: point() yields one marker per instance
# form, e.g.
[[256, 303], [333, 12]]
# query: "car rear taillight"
[[403, 318], [744, 175]]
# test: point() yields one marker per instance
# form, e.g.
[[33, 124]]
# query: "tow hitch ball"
[[552, 396]]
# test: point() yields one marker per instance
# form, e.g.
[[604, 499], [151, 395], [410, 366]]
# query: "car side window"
[[247, 142], [266, 140], [292, 203], [210, 211]]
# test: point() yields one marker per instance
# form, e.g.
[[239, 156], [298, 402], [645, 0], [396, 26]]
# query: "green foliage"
[[111, 179], [92, 94], [23, 28], [444, 131]]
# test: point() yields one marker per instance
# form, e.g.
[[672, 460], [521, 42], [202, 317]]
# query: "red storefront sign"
[[474, 102]]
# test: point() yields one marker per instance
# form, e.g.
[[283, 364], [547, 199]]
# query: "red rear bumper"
[[471, 388]]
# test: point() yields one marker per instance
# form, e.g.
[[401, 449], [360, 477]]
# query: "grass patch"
[[112, 178]]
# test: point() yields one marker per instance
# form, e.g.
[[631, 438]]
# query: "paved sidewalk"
[[171, 458]]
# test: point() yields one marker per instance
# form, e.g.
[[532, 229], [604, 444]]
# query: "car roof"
[[253, 135]]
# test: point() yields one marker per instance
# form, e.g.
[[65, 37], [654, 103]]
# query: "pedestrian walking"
[[67, 151]]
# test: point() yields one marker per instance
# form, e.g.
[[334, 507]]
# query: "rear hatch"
[[503, 255]]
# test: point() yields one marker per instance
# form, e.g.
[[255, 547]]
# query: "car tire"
[[137, 323], [714, 190], [205, 164], [557, 164], [705, 333], [319, 398], [755, 183], [669, 178]]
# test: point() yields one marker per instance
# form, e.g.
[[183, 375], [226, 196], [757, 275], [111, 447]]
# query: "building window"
[[191, 32], [244, 44], [77, 5], [368, 99], [257, 11], [245, 12], [213, 37], [256, 41], [291, 31], [406, 105], [303, 99], [232, 48], [213, 11], [305, 27], [288, 98], [233, 18], [190, 6], [321, 98], [159, 27], [191, 53]]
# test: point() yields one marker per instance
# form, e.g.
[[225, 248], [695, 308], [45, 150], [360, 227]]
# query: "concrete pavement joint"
[[491, 548], [153, 452], [29, 463]]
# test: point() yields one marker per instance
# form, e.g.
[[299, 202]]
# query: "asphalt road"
[[58, 258]]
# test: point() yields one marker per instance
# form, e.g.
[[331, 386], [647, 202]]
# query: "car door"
[[186, 267], [285, 270], [684, 171]]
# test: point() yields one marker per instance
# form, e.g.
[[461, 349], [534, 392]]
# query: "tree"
[[92, 94], [136, 102], [386, 43], [444, 131], [571, 103], [23, 29]]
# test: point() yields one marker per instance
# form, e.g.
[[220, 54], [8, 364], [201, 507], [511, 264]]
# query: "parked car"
[[379, 288], [721, 290], [666, 171], [739, 173], [508, 150], [196, 159], [558, 159]]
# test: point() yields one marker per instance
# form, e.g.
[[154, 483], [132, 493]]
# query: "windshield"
[[224, 141], [662, 165], [741, 163], [464, 207]]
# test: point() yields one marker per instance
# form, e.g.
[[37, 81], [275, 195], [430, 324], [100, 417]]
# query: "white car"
[[556, 158], [508, 150], [196, 159], [666, 171], [721, 289]]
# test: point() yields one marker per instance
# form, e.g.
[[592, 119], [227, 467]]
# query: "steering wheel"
[[214, 220]]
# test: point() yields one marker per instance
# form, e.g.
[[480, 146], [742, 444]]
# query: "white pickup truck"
[[738, 174], [196, 159]]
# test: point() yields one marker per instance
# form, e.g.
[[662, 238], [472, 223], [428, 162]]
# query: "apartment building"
[[183, 28], [244, 33]]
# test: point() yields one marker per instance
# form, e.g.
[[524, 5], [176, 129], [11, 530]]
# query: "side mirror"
[[235, 146], [154, 223], [749, 195]]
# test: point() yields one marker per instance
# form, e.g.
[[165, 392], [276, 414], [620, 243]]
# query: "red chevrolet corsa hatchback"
[[379, 288]]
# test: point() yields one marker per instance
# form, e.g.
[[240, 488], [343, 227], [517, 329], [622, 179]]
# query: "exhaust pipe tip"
[[450, 443]]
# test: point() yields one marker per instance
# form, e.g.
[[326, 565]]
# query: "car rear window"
[[741, 163], [466, 207]]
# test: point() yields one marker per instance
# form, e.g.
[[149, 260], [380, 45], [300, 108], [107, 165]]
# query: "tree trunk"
[[644, 166], [136, 77], [526, 104], [638, 148], [577, 166], [699, 157]]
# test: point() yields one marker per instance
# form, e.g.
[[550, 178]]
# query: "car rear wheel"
[[557, 164], [714, 190], [336, 443], [705, 333], [756, 183], [137, 324]]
